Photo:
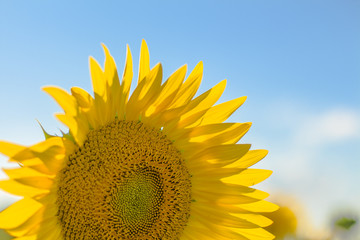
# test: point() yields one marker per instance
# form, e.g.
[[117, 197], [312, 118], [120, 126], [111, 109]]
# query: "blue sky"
[[297, 61]]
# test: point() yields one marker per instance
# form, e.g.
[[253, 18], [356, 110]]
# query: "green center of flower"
[[138, 200], [127, 181]]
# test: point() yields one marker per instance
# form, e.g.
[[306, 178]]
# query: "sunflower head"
[[285, 222], [159, 163]]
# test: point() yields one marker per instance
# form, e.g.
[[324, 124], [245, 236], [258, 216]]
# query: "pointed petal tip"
[[46, 88], [241, 100], [50, 88], [91, 58], [182, 68], [128, 52], [144, 46], [106, 50], [262, 152], [91, 61], [223, 84], [158, 65]]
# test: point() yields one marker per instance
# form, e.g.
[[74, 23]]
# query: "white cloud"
[[330, 126]]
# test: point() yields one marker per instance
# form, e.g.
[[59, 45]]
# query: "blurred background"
[[297, 61]]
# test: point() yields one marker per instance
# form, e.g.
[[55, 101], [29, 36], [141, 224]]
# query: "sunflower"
[[285, 222], [159, 164]]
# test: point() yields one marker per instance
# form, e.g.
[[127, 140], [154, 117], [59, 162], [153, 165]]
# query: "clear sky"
[[297, 61]]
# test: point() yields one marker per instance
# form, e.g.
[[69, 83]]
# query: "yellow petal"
[[152, 85], [83, 98], [28, 162], [50, 229], [144, 64], [88, 114], [223, 188], [51, 145], [258, 233], [39, 168], [32, 237], [86, 103], [145, 92], [190, 150], [216, 134], [232, 135], [64, 99], [222, 155], [190, 121], [203, 133], [249, 177], [110, 69], [70, 122], [222, 198], [258, 194], [23, 172], [78, 129], [250, 158], [223, 111], [18, 189], [10, 149], [97, 78], [194, 111], [113, 82], [72, 117], [257, 219], [125, 84], [208, 99], [100, 88], [207, 214], [29, 225], [37, 182], [190, 87], [51, 151], [168, 118], [196, 231], [17, 213], [45, 145], [168, 91]]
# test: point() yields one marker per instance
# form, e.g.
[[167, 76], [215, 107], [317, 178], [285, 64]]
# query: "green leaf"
[[68, 136], [345, 223], [47, 135]]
